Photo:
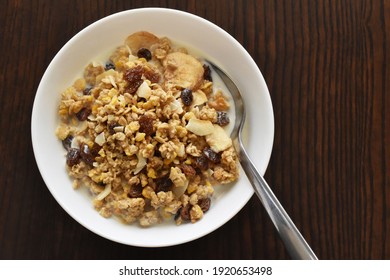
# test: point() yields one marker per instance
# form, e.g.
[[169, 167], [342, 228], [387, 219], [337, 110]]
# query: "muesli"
[[146, 133]]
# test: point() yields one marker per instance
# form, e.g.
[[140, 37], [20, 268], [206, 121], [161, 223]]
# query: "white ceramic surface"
[[102, 37]]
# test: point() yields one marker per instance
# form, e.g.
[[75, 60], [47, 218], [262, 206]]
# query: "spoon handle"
[[295, 244]]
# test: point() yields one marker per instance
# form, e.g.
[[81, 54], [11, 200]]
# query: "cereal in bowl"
[[146, 133]]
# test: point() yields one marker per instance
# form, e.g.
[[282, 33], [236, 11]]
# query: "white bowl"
[[102, 37]]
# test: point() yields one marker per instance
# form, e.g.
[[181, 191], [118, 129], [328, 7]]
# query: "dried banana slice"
[[183, 71]]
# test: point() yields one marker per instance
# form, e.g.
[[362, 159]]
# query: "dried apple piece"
[[139, 40], [183, 71]]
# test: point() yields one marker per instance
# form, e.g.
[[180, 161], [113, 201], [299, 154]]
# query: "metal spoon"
[[295, 244]]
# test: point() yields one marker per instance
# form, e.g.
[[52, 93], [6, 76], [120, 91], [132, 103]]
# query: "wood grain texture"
[[327, 66]]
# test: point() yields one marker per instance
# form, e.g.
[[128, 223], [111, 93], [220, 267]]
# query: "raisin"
[[188, 170], [151, 75], [157, 153], [185, 212], [86, 154], [145, 53], [202, 162], [109, 65], [207, 73], [95, 149], [83, 114], [67, 142], [73, 157], [135, 191], [177, 215], [146, 125], [111, 127], [186, 96], [163, 184], [211, 155], [204, 204], [87, 90], [222, 118], [133, 76]]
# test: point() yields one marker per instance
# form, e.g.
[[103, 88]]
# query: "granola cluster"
[[145, 133]]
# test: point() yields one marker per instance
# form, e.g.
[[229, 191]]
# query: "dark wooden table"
[[327, 66]]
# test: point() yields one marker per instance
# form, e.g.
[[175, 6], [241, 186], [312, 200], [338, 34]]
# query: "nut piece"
[[141, 39], [196, 213], [183, 71], [199, 98], [218, 140], [144, 91], [200, 127]]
